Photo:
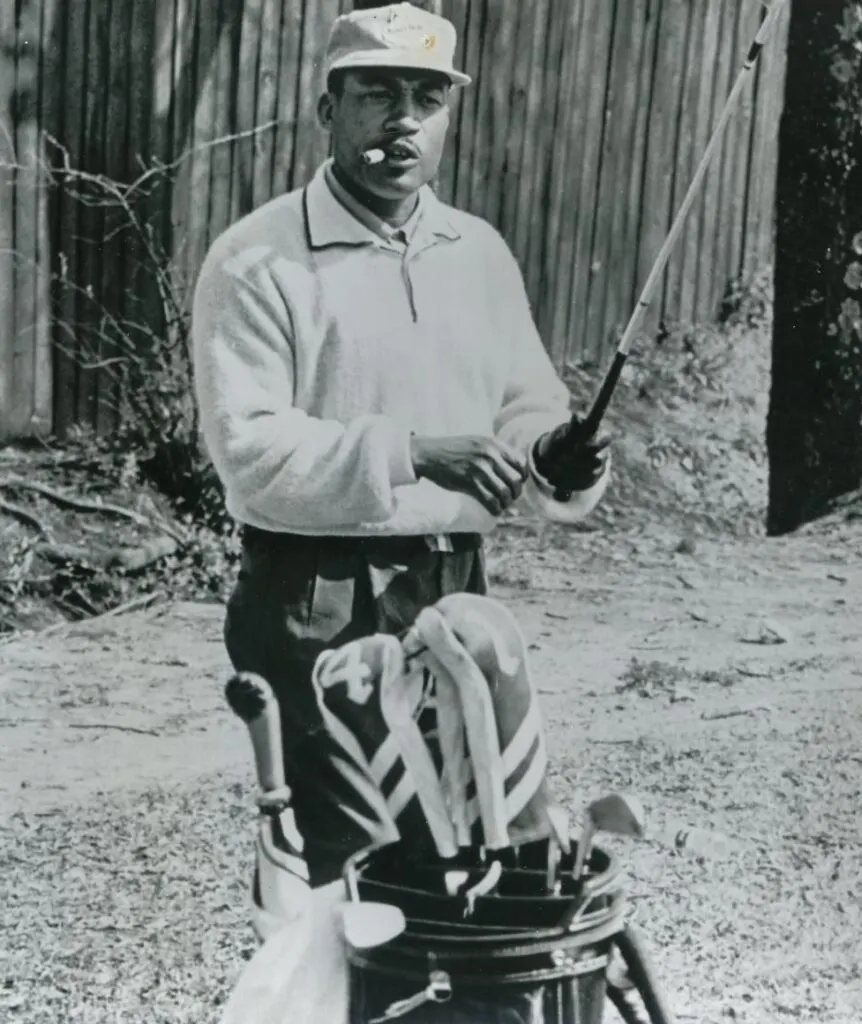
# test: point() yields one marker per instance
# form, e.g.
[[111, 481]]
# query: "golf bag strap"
[[628, 1013], [631, 947]]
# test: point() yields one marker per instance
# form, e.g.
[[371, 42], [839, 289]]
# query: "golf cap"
[[397, 36]]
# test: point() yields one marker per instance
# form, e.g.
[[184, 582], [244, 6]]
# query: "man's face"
[[403, 112]]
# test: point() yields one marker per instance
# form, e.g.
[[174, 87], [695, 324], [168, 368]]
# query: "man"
[[373, 393]]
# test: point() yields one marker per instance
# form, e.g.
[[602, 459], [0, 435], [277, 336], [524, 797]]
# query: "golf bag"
[[439, 733], [517, 954]]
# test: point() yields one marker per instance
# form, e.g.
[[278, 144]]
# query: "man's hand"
[[488, 471], [568, 459]]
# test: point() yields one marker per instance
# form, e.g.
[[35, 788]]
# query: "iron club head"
[[618, 813]]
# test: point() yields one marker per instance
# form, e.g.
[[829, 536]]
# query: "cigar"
[[372, 156]]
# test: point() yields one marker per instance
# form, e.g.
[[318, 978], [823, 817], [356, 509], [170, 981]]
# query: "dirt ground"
[[722, 683], [679, 654]]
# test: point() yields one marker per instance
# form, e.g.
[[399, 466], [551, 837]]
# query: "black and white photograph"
[[430, 511]]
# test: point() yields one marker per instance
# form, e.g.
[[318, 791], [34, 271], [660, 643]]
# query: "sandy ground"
[[722, 682]]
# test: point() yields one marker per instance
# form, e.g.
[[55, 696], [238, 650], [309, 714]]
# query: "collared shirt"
[[319, 349], [399, 238]]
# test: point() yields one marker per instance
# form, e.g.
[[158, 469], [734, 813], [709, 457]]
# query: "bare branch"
[[25, 517], [81, 505]]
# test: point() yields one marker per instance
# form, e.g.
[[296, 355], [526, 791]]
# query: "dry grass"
[[130, 910]]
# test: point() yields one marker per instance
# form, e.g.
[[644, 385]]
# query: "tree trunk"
[[814, 430]]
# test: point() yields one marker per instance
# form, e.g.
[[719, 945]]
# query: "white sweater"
[[319, 347]]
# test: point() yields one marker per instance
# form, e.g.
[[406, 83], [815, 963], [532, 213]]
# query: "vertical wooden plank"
[[724, 165], [683, 23], [774, 72], [246, 98], [468, 105], [7, 218], [633, 65], [753, 177], [593, 122], [312, 145], [288, 95], [707, 288], [694, 239], [64, 244], [492, 97], [116, 238], [204, 132], [535, 152], [543, 216], [503, 142], [474, 196], [142, 301], [561, 207], [48, 93], [687, 157], [168, 14], [90, 219], [601, 305], [457, 12], [738, 152], [228, 22], [663, 104], [182, 134], [25, 262], [569, 173], [267, 100], [631, 281]]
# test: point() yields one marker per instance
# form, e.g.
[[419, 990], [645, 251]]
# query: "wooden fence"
[[577, 141]]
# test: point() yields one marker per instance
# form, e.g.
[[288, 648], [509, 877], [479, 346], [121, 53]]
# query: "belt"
[[392, 548]]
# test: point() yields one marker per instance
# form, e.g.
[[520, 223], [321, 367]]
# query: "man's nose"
[[405, 115]]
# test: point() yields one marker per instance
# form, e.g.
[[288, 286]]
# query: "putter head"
[[367, 925], [621, 814]]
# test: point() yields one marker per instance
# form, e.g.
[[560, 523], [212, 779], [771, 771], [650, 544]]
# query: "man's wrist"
[[539, 453], [418, 454]]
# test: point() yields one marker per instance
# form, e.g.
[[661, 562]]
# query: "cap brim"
[[396, 59]]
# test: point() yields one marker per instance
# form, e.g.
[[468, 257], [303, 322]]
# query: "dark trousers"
[[297, 596]]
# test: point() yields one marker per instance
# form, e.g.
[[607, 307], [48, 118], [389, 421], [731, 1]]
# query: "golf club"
[[251, 698], [617, 813], [583, 430], [368, 924]]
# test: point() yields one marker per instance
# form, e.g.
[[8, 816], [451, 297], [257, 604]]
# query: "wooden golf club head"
[[367, 925]]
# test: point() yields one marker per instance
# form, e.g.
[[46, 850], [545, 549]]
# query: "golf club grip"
[[640, 971], [251, 698], [589, 427]]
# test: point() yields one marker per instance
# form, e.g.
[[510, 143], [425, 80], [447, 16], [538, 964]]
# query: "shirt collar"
[[332, 221], [365, 216]]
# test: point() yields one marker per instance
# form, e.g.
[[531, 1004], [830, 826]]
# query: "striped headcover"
[[476, 773]]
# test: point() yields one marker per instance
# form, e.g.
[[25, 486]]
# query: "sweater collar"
[[329, 221]]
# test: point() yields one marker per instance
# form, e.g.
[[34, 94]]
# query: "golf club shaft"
[[585, 841], [588, 428]]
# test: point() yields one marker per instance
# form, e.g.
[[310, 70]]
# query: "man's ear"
[[325, 111]]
